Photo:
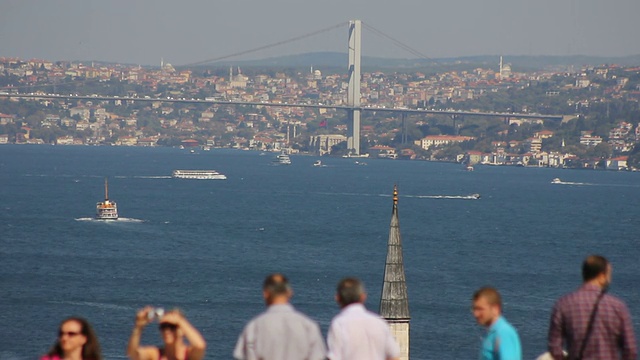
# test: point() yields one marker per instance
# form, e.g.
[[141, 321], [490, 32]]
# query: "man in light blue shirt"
[[281, 332], [501, 342]]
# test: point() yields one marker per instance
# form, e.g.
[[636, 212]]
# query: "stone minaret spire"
[[394, 302]]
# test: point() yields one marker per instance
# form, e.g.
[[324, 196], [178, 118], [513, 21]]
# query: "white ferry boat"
[[282, 159], [107, 209], [198, 175]]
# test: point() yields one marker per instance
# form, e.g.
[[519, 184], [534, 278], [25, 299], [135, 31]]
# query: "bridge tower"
[[353, 91]]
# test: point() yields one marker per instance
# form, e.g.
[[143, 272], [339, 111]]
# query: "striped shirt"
[[612, 335]]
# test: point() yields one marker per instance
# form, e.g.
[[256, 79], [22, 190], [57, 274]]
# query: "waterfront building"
[[394, 302], [590, 140], [474, 157], [384, 152], [535, 144], [617, 163], [321, 144], [437, 140]]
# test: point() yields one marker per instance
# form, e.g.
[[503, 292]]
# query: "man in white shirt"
[[356, 333]]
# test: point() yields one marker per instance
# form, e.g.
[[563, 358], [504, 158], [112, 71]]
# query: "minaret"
[[500, 67], [394, 302]]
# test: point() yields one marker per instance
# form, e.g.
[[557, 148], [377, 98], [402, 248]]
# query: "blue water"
[[205, 246]]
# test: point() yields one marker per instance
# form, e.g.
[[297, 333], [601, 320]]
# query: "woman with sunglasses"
[[76, 341], [174, 328]]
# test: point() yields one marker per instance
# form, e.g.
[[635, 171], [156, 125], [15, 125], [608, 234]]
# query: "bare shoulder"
[[148, 353]]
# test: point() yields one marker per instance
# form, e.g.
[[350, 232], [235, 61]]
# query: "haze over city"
[[144, 31]]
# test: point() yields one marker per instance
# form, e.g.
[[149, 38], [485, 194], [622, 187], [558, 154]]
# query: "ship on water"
[[107, 209], [198, 175], [282, 159]]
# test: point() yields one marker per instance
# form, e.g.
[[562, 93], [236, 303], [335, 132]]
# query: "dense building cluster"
[[579, 95]]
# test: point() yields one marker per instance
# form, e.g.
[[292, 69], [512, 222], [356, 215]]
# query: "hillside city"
[[599, 106]]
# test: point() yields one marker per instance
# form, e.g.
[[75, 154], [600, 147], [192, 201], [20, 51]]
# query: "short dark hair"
[[490, 294], [350, 291], [593, 266], [276, 284]]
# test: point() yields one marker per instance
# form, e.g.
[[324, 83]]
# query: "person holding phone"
[[174, 328]]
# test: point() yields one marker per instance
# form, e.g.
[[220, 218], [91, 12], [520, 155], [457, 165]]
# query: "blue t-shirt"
[[501, 342]]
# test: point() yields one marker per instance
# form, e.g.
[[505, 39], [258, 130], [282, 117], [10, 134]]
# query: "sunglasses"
[[68, 333], [168, 326]]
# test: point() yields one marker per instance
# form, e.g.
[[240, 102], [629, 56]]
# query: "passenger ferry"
[[198, 175], [282, 159], [107, 209]]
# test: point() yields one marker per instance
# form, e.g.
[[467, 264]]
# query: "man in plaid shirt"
[[611, 336]]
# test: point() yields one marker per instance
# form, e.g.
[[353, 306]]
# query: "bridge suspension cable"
[[264, 47], [297, 38], [398, 43]]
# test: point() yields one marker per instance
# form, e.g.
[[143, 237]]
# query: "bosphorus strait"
[[205, 246]]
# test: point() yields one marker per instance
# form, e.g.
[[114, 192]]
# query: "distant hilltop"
[[339, 60]]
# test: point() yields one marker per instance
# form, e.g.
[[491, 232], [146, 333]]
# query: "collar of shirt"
[[355, 307], [280, 308], [499, 321], [590, 287]]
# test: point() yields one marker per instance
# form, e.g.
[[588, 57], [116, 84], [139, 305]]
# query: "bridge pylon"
[[353, 91]]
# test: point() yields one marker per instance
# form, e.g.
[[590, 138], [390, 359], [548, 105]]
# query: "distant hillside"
[[339, 60]]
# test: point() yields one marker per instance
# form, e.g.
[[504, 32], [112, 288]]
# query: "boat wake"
[[449, 197], [572, 183], [98, 176], [118, 220], [144, 177], [152, 177], [592, 184], [93, 304]]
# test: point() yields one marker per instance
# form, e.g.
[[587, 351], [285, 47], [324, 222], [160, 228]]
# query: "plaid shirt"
[[612, 334]]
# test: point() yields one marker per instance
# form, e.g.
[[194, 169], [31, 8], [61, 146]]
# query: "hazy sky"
[[187, 31]]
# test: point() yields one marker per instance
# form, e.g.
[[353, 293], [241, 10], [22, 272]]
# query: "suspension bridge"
[[353, 106]]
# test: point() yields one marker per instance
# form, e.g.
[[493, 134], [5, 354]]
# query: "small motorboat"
[[556, 181]]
